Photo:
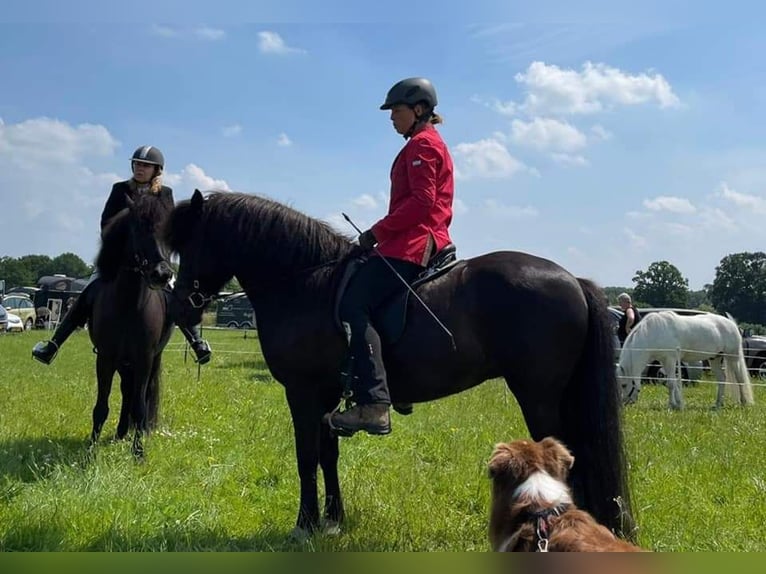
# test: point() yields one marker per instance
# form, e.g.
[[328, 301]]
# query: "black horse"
[[513, 315], [129, 325]]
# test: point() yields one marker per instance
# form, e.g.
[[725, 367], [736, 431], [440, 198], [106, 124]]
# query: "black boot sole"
[[42, 360]]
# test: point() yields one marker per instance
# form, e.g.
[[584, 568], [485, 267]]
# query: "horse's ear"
[[129, 201], [197, 200]]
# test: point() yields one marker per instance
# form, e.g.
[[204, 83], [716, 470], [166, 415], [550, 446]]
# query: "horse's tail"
[[736, 369], [591, 410], [153, 394], [742, 391]]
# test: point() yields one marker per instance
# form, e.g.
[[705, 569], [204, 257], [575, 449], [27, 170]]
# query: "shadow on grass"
[[179, 538], [30, 460]]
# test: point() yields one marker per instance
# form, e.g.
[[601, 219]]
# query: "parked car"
[[14, 323], [235, 312], [754, 347], [21, 305], [3, 319]]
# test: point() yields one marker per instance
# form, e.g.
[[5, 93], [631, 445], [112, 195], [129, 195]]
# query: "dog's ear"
[[504, 462], [559, 455]]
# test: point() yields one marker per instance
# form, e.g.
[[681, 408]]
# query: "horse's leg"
[[126, 378], [540, 406], [141, 369], [334, 514], [104, 374], [675, 401], [716, 365], [306, 412]]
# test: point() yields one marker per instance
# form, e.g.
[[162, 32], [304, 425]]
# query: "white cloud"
[[637, 241], [60, 192], [231, 131], [207, 33], [495, 208], [669, 203], [44, 140], [744, 200], [597, 87], [570, 160], [164, 31], [203, 32], [43, 161], [284, 141], [715, 218], [194, 177], [600, 133], [272, 43], [365, 201], [486, 158], [547, 133], [675, 228]]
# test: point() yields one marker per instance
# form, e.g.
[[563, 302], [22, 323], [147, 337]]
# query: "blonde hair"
[[155, 185], [624, 297], [436, 119]]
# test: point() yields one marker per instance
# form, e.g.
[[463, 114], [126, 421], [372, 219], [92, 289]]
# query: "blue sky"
[[602, 139]]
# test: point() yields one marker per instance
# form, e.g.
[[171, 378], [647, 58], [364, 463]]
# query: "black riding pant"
[[78, 314], [370, 286]]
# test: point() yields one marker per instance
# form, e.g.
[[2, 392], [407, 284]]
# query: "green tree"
[[699, 299], [14, 273], [739, 286], [35, 266], [70, 265], [661, 285]]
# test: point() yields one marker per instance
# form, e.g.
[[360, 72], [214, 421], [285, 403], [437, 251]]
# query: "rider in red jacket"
[[414, 229]]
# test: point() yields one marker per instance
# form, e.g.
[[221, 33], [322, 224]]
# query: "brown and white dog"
[[532, 508]]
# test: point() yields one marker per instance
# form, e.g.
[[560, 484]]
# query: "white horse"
[[667, 337]]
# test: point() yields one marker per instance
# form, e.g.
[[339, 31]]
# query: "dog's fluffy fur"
[[530, 477]]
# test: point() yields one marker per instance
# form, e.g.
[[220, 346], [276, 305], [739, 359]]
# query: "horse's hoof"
[[331, 528], [299, 535]]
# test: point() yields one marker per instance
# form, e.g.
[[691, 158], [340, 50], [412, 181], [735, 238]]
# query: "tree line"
[[26, 270], [739, 288]]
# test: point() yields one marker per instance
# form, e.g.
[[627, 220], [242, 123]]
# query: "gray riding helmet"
[[411, 91], [149, 154]]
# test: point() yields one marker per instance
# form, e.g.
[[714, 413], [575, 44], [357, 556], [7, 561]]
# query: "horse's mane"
[[147, 209], [246, 225]]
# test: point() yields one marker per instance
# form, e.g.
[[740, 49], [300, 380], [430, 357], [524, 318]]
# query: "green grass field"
[[220, 472]]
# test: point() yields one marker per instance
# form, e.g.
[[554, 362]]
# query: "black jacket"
[[117, 201]]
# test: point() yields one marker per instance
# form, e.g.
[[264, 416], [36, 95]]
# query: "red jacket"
[[420, 205]]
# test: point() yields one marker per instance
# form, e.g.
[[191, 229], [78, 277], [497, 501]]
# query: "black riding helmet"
[[410, 92], [149, 154]]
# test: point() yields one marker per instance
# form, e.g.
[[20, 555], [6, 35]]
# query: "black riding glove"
[[367, 239]]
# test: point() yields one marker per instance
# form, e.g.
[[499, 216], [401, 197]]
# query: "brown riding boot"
[[373, 419]]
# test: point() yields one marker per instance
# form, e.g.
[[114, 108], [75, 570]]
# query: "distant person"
[[147, 165], [630, 317]]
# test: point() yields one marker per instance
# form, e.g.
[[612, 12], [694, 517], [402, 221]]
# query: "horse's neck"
[[130, 287]]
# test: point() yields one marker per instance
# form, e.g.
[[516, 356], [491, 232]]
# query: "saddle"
[[390, 318]]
